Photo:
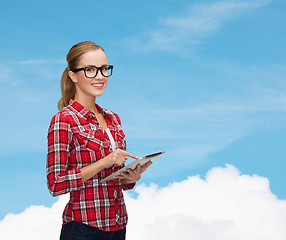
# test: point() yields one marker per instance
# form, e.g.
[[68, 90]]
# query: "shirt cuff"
[[128, 186]]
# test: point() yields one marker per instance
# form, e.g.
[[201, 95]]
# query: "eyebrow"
[[96, 66]]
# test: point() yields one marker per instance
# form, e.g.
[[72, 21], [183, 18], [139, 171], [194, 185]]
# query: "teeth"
[[97, 84]]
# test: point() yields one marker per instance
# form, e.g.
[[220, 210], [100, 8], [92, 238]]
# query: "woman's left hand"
[[131, 176]]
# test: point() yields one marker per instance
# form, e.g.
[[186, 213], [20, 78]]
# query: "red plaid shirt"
[[75, 140]]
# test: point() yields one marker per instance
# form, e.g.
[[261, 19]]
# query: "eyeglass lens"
[[91, 72]]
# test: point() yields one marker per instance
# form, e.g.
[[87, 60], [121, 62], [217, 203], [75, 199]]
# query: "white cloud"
[[202, 20], [36, 222], [225, 205]]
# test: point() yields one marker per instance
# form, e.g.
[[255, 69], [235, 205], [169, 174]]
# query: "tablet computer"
[[132, 166]]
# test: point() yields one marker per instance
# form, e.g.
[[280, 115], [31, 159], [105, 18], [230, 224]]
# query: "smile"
[[97, 85]]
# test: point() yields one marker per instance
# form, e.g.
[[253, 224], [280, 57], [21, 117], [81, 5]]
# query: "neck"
[[87, 102]]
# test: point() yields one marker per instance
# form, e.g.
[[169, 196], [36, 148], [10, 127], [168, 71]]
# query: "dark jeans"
[[80, 231]]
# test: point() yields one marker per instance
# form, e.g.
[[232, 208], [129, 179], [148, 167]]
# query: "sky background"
[[204, 81]]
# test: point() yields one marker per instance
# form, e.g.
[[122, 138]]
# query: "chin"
[[98, 94]]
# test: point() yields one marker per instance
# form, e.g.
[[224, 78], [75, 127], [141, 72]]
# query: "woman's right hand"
[[117, 158]]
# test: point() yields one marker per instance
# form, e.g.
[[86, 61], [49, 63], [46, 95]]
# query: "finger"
[[129, 171], [130, 155], [148, 164], [138, 168], [120, 162], [120, 177], [122, 159], [123, 176], [145, 166]]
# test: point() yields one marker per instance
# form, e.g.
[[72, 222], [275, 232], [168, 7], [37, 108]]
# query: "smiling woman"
[[86, 144], [73, 58]]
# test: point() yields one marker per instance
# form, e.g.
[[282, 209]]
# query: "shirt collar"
[[85, 113]]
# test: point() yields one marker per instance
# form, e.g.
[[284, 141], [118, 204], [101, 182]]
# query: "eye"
[[105, 68], [90, 69]]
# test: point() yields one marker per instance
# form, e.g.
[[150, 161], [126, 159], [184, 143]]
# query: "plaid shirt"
[[75, 140]]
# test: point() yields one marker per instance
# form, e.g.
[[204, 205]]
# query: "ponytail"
[[67, 89]]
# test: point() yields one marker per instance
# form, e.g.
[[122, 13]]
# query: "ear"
[[73, 76]]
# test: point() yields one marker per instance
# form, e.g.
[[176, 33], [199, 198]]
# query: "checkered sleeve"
[[60, 179]]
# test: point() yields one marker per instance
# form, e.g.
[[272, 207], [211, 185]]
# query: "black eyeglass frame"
[[97, 68]]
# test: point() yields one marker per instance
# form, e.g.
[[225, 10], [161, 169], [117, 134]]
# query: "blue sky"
[[203, 81]]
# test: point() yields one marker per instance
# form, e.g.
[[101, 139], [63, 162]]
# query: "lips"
[[97, 85]]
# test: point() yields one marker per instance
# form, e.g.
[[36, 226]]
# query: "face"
[[90, 87]]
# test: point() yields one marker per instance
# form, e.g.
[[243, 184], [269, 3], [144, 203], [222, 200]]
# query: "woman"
[[85, 144]]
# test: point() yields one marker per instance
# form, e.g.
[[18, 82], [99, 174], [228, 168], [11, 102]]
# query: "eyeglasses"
[[92, 71]]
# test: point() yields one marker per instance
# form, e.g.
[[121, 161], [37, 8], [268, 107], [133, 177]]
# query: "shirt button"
[[115, 194]]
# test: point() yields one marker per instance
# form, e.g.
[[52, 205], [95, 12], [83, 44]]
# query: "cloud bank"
[[225, 205]]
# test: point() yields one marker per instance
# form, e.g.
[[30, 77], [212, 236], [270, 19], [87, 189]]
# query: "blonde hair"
[[73, 57]]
